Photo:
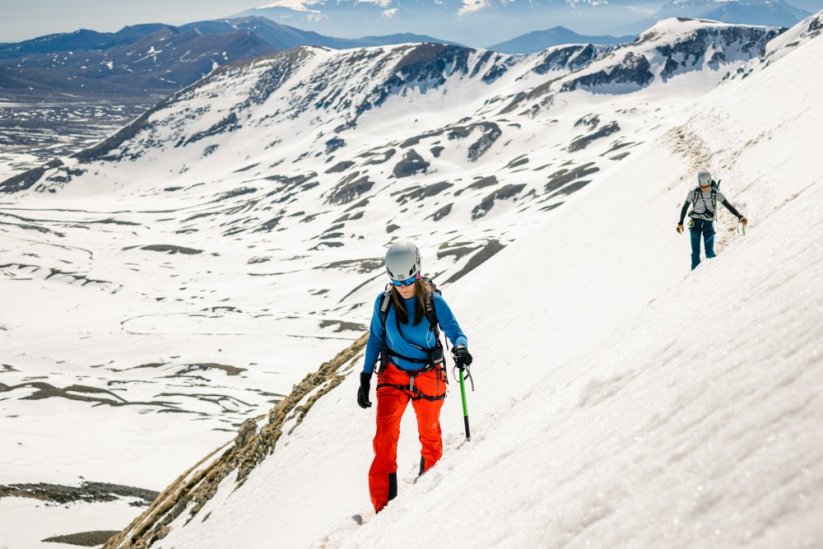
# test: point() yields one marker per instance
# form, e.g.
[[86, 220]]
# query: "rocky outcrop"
[[411, 164], [569, 58], [253, 444]]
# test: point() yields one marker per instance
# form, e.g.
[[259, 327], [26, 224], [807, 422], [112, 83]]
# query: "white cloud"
[[471, 6], [381, 3], [294, 5], [390, 13]]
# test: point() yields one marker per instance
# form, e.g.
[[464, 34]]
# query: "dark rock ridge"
[[349, 188], [88, 492], [690, 54], [427, 66], [489, 250], [194, 488], [507, 191], [584, 141], [569, 57], [634, 72], [564, 176], [83, 539], [411, 164], [633, 69], [420, 193]]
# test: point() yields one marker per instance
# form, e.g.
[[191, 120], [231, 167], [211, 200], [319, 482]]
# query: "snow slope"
[[158, 292], [621, 401]]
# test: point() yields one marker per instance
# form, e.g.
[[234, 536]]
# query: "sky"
[[22, 20]]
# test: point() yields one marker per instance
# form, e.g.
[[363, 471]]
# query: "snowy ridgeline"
[[619, 400]]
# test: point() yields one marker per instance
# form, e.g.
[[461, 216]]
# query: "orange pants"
[[391, 403]]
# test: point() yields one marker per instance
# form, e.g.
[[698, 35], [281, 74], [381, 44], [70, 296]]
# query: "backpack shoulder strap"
[[431, 312], [385, 303]]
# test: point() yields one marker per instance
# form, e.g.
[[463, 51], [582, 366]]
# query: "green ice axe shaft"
[[465, 406]]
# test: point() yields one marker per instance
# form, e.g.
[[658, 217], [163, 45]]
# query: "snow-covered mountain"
[[537, 41], [153, 59], [750, 12], [176, 280], [599, 421]]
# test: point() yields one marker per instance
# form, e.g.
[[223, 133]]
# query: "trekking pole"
[[465, 406]]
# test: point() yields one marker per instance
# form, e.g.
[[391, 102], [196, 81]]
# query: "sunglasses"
[[407, 282]]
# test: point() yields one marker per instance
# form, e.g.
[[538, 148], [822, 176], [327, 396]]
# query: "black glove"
[[462, 356], [363, 392]]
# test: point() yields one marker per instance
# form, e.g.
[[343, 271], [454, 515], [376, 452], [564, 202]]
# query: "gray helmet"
[[402, 260], [704, 177]]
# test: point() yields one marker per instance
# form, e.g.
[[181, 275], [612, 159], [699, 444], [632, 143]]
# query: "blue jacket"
[[421, 335]]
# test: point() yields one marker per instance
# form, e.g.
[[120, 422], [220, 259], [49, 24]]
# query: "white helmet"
[[402, 260], [704, 177]]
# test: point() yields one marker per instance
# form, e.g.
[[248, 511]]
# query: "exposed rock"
[[570, 57], [421, 193], [269, 225], [491, 248], [441, 213], [590, 121], [246, 168], [333, 144], [362, 204], [689, 54], [457, 250], [245, 433], [565, 176], [82, 393], [343, 326], [83, 539], [411, 164], [382, 159], [424, 66], [361, 266], [88, 492], [617, 145], [569, 189], [28, 178], [340, 166], [203, 367], [585, 140], [491, 133], [349, 217], [412, 141], [482, 182], [240, 191], [519, 161], [226, 125], [349, 188], [436, 151], [632, 73], [507, 191], [194, 488], [170, 249]]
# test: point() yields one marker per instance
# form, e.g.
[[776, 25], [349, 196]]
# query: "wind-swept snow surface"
[[180, 278], [621, 400]]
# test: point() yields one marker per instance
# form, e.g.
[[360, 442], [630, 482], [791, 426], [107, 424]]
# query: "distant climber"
[[404, 335], [703, 200]]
